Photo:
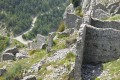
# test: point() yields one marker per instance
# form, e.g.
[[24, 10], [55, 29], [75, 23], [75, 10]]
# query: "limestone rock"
[[12, 50], [30, 77], [100, 14], [7, 56], [21, 55]]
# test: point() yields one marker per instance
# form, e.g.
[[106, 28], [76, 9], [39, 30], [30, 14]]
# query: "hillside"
[[16, 15], [84, 43]]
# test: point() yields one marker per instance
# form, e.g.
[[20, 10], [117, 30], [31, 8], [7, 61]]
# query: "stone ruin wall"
[[105, 24], [80, 51], [101, 44]]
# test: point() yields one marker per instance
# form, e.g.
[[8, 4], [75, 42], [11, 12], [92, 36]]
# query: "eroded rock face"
[[101, 45]]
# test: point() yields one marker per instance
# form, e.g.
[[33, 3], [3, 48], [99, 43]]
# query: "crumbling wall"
[[80, 50], [70, 20], [101, 44], [105, 24]]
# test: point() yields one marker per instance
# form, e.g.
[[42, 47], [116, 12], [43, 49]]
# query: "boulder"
[[30, 77], [2, 71], [7, 56], [12, 50], [100, 14]]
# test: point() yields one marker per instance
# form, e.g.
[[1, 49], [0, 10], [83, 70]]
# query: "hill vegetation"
[[18, 14]]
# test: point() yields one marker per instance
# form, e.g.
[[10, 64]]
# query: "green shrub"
[[115, 17], [61, 27], [63, 35], [4, 42], [78, 11], [70, 41], [32, 52], [13, 72]]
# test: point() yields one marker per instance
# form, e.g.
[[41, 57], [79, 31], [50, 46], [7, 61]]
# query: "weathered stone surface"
[[41, 40], [2, 71], [100, 14], [7, 56], [86, 6], [101, 45], [80, 50], [30, 77], [50, 41], [112, 4], [12, 50], [70, 20], [117, 10], [87, 17], [105, 24], [21, 55], [0, 58], [100, 6], [78, 22]]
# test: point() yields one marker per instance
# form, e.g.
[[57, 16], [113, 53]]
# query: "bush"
[[78, 11], [14, 72], [61, 27]]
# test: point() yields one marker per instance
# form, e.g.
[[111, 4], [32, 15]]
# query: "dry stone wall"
[[80, 50], [105, 24], [70, 20], [101, 44]]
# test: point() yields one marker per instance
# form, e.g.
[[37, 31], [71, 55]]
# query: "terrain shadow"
[[91, 71]]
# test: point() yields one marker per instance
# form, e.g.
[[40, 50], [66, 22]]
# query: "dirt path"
[[19, 38]]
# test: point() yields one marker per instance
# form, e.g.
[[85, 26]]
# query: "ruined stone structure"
[[98, 40]]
